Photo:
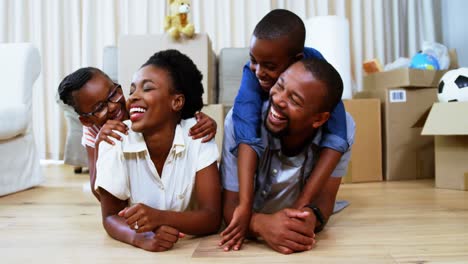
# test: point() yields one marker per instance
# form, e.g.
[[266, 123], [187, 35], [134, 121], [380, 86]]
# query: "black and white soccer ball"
[[453, 86]]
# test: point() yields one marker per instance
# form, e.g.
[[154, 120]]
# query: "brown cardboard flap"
[[447, 119], [404, 77], [407, 78], [422, 120]]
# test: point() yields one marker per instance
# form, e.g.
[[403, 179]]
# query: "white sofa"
[[20, 66]]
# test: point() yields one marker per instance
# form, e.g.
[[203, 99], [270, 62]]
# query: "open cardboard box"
[[406, 77], [447, 122]]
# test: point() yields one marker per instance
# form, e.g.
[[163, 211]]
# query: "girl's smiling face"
[[100, 100]]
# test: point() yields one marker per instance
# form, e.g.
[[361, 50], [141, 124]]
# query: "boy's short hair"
[[74, 81], [326, 73], [280, 23], [186, 78]]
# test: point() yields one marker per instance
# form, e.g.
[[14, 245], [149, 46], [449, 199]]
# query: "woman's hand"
[[162, 239], [141, 218]]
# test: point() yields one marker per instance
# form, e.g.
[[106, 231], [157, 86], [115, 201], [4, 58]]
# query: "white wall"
[[454, 28]]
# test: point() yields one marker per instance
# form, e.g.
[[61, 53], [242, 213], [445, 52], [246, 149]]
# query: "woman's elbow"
[[106, 224], [215, 224]]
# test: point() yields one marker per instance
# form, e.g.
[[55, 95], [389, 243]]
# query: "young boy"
[[277, 42], [105, 111]]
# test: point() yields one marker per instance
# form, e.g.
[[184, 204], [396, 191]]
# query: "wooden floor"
[[390, 222]]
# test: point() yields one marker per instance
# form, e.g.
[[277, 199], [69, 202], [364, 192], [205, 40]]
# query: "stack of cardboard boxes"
[[406, 97]]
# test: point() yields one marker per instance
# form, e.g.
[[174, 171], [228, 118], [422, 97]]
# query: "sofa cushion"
[[13, 121], [231, 64]]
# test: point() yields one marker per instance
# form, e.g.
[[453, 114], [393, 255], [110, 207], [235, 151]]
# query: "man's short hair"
[[186, 78], [326, 73], [74, 82], [280, 23]]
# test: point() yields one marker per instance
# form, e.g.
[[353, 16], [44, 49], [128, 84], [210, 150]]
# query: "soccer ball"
[[453, 86]]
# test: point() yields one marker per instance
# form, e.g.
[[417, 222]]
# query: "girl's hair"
[[74, 81]]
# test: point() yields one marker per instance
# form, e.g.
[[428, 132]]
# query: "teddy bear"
[[177, 22]]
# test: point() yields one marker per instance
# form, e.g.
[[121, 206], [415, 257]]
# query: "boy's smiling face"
[[269, 58], [93, 96]]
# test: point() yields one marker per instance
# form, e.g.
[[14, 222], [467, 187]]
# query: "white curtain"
[[72, 34]]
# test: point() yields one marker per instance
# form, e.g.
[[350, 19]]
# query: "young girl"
[[148, 180]]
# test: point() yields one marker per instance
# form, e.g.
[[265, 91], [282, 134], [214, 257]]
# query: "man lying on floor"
[[300, 103]]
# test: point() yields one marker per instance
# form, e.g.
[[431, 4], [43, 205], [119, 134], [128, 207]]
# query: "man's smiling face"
[[295, 102]]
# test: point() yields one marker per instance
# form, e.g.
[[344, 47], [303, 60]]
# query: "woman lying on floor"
[[150, 182]]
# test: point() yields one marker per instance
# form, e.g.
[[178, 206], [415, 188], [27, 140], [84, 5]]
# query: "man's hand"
[[141, 218], [286, 231], [307, 216], [205, 127], [163, 239], [107, 131], [233, 236]]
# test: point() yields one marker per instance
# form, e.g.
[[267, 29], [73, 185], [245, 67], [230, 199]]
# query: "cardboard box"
[[134, 50], [447, 123], [407, 155], [404, 77], [366, 155]]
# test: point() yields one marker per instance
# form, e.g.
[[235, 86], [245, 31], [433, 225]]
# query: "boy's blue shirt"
[[247, 116]]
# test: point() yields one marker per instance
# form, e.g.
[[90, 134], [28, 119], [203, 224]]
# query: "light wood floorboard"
[[387, 222]]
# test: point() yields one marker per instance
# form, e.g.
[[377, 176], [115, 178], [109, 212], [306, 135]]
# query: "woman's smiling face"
[[153, 100]]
